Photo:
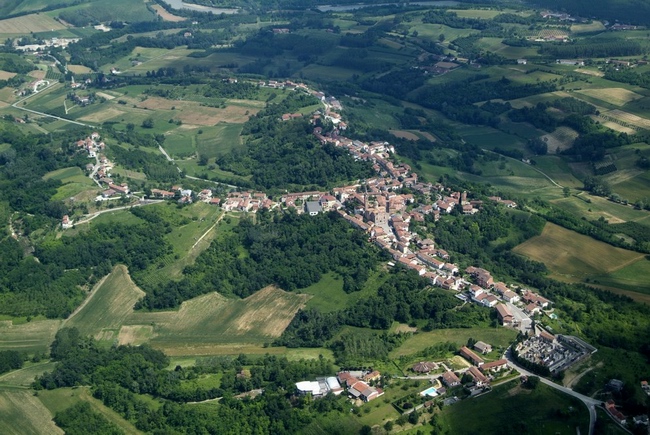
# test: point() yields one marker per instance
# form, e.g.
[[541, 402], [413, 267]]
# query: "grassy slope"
[[510, 403], [570, 254], [109, 305], [23, 414], [63, 398]]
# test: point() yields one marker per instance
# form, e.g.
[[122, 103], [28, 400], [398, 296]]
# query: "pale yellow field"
[[103, 115], [30, 23], [6, 75], [572, 255], [589, 72], [614, 126], [79, 69], [193, 113], [30, 337], [38, 74], [629, 118], [166, 15], [108, 306], [617, 96]]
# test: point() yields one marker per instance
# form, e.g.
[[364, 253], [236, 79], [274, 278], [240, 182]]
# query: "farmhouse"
[[165, 194], [533, 298], [494, 366], [469, 355], [66, 222], [479, 378], [450, 379], [424, 367], [482, 347]]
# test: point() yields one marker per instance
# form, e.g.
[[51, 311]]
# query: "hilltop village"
[[390, 218]]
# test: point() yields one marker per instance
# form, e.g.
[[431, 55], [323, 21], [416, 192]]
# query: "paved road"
[[588, 401], [16, 106], [91, 216]]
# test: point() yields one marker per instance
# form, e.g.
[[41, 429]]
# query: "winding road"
[[588, 401]]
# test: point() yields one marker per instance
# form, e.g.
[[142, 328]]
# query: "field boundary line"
[[627, 263], [92, 294], [208, 230]]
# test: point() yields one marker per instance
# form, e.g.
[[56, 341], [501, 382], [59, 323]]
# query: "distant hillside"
[[624, 11]]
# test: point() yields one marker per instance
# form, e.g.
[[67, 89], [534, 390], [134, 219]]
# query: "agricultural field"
[[574, 257], [27, 24], [166, 15], [327, 294], [63, 398], [561, 139], [497, 337], [30, 337], [202, 324], [594, 207], [4, 75], [106, 308], [23, 378], [616, 96], [74, 182], [21, 413], [492, 413], [632, 278]]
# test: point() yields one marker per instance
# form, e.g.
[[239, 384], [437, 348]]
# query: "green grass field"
[[23, 414], [110, 303], [598, 206], [31, 337], [328, 295], [511, 409], [24, 377], [499, 337], [575, 257], [63, 398], [74, 182], [633, 278]]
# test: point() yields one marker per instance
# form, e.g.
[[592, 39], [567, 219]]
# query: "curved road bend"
[[588, 401]]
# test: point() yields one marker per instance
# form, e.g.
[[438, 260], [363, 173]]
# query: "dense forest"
[[286, 155], [118, 375], [289, 250]]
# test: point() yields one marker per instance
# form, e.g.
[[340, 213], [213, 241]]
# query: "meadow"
[[74, 182], [492, 413], [574, 257], [106, 308], [62, 398], [327, 294], [497, 337], [27, 24], [30, 337], [21, 413]]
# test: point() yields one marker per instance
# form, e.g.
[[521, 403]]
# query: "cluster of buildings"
[[557, 353], [92, 145], [355, 383], [45, 44], [185, 196]]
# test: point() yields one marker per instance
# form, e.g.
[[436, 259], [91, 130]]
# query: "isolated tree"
[[147, 123]]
